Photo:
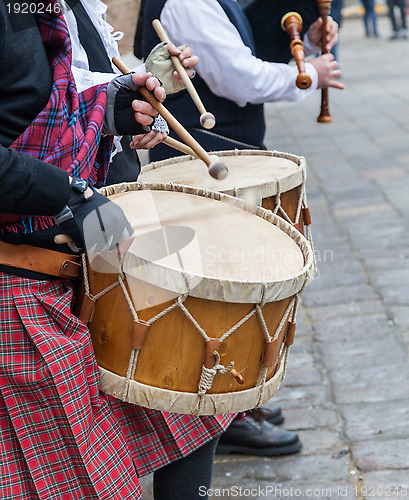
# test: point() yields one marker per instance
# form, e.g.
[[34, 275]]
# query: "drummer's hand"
[[151, 83], [315, 33], [91, 222], [125, 112], [147, 141], [187, 59], [144, 112]]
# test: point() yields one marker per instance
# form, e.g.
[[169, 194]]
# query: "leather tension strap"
[[40, 260]]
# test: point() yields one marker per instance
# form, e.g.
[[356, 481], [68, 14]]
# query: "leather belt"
[[40, 260]]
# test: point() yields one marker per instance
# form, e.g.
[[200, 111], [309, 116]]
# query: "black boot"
[[272, 414], [254, 435]]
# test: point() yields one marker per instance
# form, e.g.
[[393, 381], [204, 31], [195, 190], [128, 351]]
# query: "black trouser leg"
[[187, 477]]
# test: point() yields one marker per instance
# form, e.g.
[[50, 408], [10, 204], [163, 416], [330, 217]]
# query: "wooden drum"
[[201, 313], [272, 179]]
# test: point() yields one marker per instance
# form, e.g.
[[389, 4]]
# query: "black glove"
[[94, 223], [119, 116]]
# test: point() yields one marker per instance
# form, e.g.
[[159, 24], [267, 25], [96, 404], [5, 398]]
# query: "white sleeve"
[[84, 78], [226, 63], [140, 68], [309, 48]]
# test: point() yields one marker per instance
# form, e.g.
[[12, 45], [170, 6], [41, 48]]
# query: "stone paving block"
[[322, 441], [362, 353], [339, 269], [382, 174], [382, 419], [382, 260], [400, 316], [300, 396], [338, 295], [310, 418], [386, 484], [286, 471], [356, 196], [302, 343], [275, 486], [376, 226], [301, 360], [395, 276], [353, 192], [303, 326], [363, 210], [147, 487], [381, 454], [315, 491], [348, 327], [370, 384], [402, 160], [326, 240], [337, 171], [345, 311], [387, 240], [395, 295], [303, 376], [393, 146]]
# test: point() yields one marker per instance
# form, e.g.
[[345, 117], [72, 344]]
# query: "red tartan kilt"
[[157, 438], [60, 436]]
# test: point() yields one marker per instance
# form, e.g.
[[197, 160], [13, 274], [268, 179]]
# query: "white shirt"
[[226, 63], [84, 78]]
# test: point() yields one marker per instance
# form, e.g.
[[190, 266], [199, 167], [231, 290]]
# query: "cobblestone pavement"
[[346, 390]]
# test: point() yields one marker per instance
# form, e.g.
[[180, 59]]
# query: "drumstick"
[[173, 143], [216, 168], [291, 23], [207, 120], [325, 9]]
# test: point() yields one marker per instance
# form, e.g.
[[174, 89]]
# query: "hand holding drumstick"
[[216, 167], [207, 120]]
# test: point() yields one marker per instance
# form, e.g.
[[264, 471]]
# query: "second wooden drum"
[[272, 179]]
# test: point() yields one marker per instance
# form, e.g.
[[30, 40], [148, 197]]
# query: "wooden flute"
[[325, 9]]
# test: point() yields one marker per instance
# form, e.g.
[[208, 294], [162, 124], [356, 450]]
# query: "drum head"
[[196, 244], [257, 170]]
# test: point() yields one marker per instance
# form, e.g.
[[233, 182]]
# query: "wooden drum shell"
[[170, 361], [175, 344]]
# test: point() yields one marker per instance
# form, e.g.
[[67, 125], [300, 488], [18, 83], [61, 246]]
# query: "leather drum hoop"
[[198, 315], [272, 179]]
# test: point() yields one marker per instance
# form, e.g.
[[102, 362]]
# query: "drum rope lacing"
[[308, 231], [207, 374], [291, 309]]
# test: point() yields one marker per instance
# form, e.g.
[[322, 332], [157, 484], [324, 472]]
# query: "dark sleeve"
[[29, 186], [272, 43], [137, 48]]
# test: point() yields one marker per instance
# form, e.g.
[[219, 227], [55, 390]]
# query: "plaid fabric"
[[59, 438], [67, 132], [158, 438]]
